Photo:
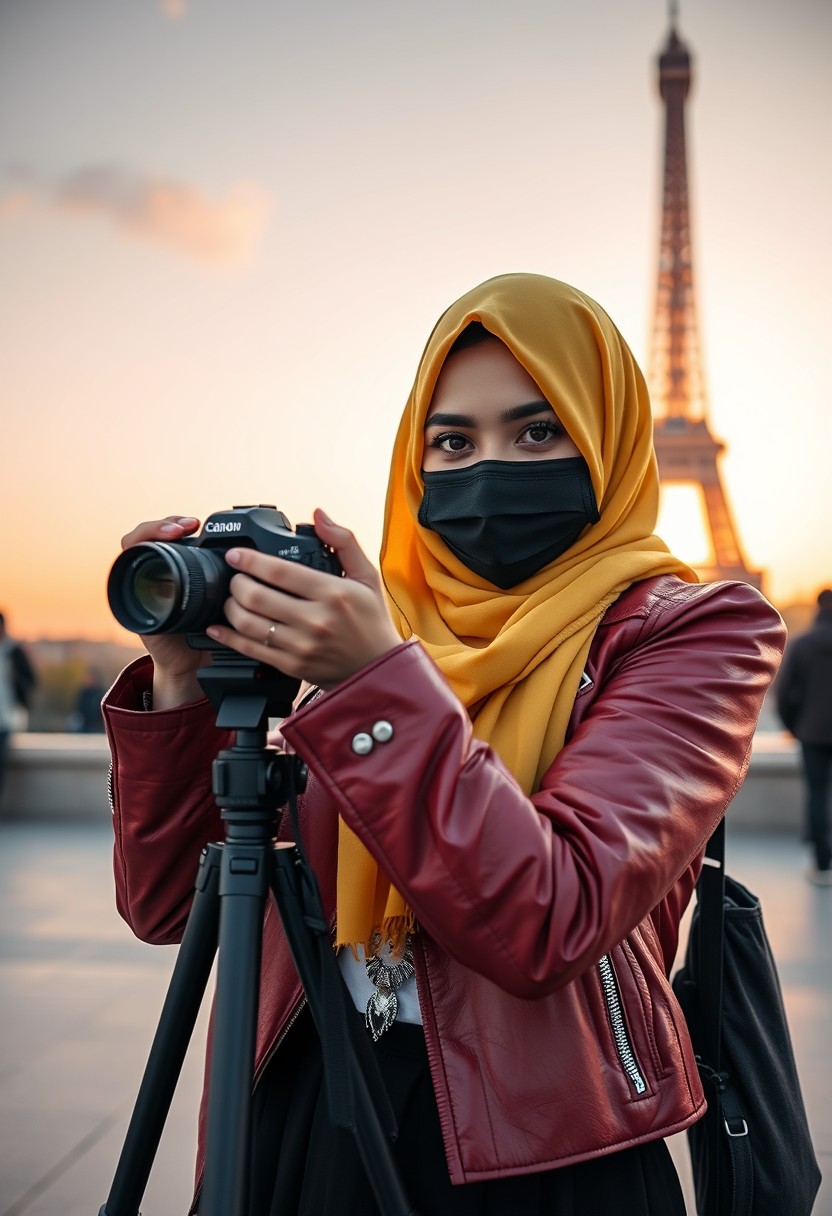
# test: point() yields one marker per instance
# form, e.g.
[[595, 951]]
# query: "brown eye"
[[449, 441], [541, 432]]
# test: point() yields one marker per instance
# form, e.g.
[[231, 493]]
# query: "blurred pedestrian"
[[86, 717], [804, 703], [17, 683]]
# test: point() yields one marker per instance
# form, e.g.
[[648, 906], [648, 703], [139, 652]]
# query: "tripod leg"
[[176, 1024], [243, 889], [295, 894]]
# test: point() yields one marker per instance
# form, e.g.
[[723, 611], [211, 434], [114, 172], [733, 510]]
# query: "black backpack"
[[752, 1152]]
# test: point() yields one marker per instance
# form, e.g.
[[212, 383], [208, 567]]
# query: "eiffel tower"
[[687, 452]]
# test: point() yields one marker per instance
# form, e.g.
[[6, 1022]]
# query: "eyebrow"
[[513, 414]]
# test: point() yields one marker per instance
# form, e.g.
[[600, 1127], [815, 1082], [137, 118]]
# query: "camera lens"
[[154, 588], [168, 588]]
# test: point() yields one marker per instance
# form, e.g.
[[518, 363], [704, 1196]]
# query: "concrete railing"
[[53, 776], [771, 798]]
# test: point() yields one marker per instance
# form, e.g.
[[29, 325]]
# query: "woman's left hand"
[[308, 624]]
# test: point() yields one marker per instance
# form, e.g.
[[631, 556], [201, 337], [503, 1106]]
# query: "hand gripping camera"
[[181, 586]]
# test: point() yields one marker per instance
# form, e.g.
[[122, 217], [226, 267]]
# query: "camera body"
[[181, 586]]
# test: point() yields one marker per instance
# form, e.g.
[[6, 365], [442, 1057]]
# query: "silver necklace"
[[383, 1005]]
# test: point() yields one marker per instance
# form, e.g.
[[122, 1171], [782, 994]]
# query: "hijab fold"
[[515, 658]]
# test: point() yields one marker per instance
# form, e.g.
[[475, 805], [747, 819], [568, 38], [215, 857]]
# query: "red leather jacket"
[[548, 926]]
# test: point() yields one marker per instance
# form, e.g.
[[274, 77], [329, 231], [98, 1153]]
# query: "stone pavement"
[[80, 999]]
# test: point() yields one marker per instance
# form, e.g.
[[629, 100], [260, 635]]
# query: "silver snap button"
[[362, 743], [382, 732]]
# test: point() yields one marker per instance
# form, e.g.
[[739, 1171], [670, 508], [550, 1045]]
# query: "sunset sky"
[[226, 231]]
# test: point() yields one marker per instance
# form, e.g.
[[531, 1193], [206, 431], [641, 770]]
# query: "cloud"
[[156, 208], [173, 9]]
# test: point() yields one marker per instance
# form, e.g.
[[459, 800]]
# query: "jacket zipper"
[[619, 1027], [301, 1005]]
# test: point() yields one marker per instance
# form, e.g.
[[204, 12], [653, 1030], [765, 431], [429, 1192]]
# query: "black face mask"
[[507, 519]]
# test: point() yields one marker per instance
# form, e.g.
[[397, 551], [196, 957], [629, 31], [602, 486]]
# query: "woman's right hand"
[[175, 663]]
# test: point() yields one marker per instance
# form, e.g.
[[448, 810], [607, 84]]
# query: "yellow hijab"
[[518, 668]]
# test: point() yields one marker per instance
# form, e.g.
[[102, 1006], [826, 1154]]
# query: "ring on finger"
[[269, 638]]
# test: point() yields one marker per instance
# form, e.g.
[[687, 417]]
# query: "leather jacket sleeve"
[[529, 892], [164, 810]]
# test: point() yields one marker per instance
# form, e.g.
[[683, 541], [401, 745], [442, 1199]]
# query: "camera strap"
[[347, 1053]]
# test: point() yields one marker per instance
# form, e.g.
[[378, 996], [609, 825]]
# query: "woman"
[[521, 743]]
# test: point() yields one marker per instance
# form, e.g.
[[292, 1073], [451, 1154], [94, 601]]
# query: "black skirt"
[[302, 1166]]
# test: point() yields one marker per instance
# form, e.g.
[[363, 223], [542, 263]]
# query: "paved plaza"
[[80, 998]]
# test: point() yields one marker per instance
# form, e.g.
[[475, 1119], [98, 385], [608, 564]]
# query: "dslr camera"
[[181, 586]]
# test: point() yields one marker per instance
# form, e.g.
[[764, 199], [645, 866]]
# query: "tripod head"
[[243, 691], [250, 779]]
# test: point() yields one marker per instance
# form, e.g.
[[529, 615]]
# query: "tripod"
[[250, 781]]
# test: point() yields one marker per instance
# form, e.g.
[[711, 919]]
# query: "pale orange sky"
[[226, 233]]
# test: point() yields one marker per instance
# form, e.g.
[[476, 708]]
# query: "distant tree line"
[[63, 670]]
